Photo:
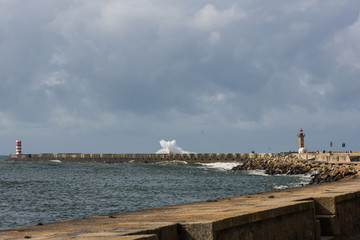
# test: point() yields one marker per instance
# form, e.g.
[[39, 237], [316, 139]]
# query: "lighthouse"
[[18, 147], [301, 136]]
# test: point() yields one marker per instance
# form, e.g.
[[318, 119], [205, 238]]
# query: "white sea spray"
[[170, 147], [220, 165]]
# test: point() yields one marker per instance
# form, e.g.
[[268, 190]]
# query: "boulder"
[[322, 172]]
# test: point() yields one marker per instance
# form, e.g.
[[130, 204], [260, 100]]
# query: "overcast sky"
[[117, 76]]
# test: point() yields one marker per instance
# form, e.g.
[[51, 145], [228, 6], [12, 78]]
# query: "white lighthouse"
[[18, 147]]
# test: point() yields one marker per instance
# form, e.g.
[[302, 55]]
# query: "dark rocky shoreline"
[[319, 171]]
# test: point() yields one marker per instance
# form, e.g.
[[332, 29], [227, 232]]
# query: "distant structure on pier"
[[18, 147], [301, 136]]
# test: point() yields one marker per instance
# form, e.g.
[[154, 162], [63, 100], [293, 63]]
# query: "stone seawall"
[[321, 171], [188, 157]]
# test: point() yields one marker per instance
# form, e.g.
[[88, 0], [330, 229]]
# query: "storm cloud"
[[234, 76]]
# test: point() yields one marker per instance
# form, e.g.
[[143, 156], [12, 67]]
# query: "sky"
[[118, 76]]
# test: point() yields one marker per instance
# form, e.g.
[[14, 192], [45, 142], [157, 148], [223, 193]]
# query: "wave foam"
[[174, 162], [220, 165], [257, 173], [55, 161], [170, 147]]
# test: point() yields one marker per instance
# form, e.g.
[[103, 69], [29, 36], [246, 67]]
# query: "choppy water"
[[41, 192]]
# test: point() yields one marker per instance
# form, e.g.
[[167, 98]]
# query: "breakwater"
[[320, 171], [150, 158], [187, 157]]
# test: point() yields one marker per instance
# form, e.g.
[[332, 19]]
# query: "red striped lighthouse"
[[18, 147]]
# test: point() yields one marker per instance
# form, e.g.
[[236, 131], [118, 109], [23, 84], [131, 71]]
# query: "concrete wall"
[[274, 223], [339, 215], [333, 157], [307, 213], [310, 216]]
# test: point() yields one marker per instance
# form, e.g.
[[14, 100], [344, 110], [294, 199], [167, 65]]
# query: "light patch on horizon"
[[275, 118]]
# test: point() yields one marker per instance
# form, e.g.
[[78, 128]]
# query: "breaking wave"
[[220, 165], [175, 162], [55, 161], [170, 147]]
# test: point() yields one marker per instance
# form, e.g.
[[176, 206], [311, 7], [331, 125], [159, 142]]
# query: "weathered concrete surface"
[[298, 213]]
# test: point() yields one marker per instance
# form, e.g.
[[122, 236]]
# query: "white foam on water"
[[281, 187], [257, 172], [220, 165], [55, 161], [170, 147], [171, 162], [305, 179]]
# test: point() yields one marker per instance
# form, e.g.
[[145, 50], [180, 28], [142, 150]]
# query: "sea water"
[[42, 192]]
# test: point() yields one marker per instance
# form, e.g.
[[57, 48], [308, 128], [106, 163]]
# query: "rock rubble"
[[289, 165]]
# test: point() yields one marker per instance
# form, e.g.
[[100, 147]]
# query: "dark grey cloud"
[[139, 71]]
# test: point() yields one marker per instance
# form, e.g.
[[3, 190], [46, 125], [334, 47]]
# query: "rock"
[[324, 172]]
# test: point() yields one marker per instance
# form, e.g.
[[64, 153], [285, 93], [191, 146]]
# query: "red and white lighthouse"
[[301, 136], [18, 147]]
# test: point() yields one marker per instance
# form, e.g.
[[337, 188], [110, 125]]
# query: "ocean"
[[43, 192]]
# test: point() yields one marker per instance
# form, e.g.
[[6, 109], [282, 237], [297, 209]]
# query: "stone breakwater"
[[187, 157], [289, 165]]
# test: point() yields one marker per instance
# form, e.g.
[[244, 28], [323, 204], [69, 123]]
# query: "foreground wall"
[[305, 213]]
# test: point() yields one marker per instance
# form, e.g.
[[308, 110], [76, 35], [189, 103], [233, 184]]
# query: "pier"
[[187, 157]]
